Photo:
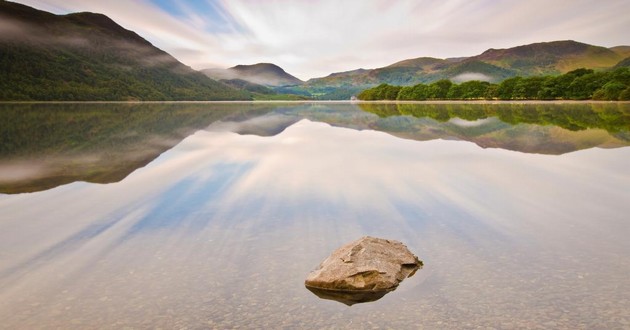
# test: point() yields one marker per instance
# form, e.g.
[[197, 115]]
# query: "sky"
[[313, 38]]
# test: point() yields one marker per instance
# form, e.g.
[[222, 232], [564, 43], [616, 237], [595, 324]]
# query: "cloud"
[[11, 29], [468, 76], [16, 30], [314, 38]]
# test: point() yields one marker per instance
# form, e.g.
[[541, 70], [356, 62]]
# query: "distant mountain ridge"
[[493, 65], [624, 51], [550, 57], [266, 74], [88, 56]]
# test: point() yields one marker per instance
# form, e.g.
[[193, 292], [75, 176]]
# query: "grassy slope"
[[550, 57]]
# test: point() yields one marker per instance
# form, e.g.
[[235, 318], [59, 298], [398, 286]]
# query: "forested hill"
[[493, 65], [580, 84], [88, 56]]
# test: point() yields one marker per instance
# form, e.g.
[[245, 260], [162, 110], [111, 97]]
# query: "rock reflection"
[[349, 297]]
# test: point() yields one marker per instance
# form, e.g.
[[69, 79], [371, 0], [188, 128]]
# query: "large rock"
[[364, 270]]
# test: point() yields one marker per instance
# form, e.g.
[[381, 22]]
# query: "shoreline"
[[330, 102]]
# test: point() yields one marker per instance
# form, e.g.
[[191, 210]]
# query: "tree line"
[[580, 84]]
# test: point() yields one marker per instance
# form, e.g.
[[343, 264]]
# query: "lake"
[[211, 215]]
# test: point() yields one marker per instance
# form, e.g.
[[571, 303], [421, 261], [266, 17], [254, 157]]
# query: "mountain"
[[266, 74], [263, 93], [550, 57], [88, 56], [625, 63], [493, 65], [624, 51], [248, 86]]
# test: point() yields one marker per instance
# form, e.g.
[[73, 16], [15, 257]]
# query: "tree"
[[380, 92], [406, 94], [549, 88], [439, 89], [390, 92], [506, 88], [367, 95], [528, 88], [580, 84], [609, 92], [492, 92], [473, 89], [420, 92], [583, 87], [454, 93], [579, 72]]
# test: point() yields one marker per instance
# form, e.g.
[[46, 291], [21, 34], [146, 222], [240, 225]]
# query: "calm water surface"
[[211, 215]]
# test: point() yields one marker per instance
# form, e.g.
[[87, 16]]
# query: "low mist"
[[468, 76]]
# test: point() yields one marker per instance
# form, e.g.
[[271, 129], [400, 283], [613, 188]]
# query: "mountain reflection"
[[612, 117], [47, 145]]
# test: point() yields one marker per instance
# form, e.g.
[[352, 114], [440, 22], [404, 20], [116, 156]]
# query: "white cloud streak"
[[314, 38]]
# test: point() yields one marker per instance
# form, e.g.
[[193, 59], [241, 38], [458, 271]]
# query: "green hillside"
[[493, 65], [87, 56]]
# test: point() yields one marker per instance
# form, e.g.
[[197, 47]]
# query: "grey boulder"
[[364, 270]]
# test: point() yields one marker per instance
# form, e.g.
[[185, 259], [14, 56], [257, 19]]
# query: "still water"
[[212, 215]]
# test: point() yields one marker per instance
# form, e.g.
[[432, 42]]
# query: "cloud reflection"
[[312, 170], [209, 222]]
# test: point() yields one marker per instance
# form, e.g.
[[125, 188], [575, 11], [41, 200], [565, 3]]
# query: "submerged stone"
[[362, 271]]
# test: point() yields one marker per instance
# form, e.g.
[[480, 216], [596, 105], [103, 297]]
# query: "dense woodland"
[[580, 84]]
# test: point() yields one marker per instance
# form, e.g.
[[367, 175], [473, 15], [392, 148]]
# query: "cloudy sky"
[[313, 38]]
